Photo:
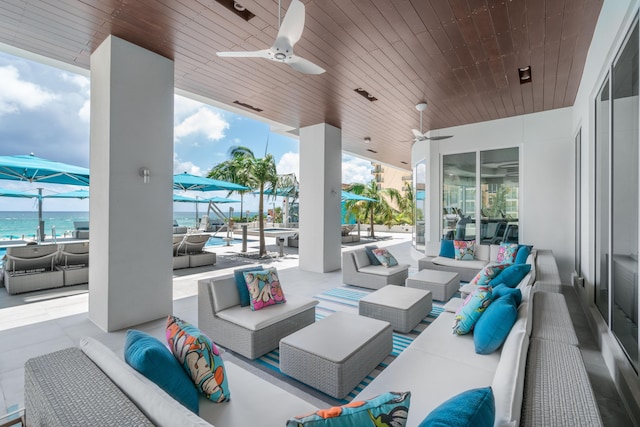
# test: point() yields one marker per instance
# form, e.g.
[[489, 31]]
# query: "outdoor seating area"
[[359, 270]]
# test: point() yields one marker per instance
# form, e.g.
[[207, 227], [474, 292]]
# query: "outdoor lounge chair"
[[193, 246], [31, 268], [81, 229], [73, 261], [179, 260]]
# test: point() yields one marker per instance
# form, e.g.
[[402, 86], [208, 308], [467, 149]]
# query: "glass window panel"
[[459, 196], [420, 184], [624, 198], [499, 181], [602, 201]]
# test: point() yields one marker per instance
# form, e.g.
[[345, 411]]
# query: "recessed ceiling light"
[[373, 151], [366, 94], [237, 6], [367, 139], [525, 74], [404, 163], [243, 104]]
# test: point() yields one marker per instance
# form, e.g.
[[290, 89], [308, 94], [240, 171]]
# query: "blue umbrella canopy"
[[34, 169], [14, 193], [78, 194], [186, 181], [350, 196], [180, 198]]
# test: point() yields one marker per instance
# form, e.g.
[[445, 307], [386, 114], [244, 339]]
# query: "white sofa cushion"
[[508, 382], [474, 264], [381, 270], [361, 258], [256, 320]]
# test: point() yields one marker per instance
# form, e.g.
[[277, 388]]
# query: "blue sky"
[[45, 110]]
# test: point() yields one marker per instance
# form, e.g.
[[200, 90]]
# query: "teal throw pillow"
[[385, 257], [502, 290], [446, 249], [241, 284], [199, 357], [494, 325], [512, 275], [388, 409], [373, 259], [149, 356], [487, 274], [471, 310], [523, 253], [474, 407]]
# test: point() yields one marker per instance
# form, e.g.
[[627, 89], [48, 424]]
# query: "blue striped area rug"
[[345, 298]]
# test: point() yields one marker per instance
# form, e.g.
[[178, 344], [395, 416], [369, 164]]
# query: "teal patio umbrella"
[[185, 199], [4, 192], [77, 194], [350, 196], [186, 181], [33, 169]]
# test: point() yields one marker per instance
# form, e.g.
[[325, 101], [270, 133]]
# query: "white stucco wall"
[[130, 279]]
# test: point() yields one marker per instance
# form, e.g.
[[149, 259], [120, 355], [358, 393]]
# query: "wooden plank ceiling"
[[460, 56]]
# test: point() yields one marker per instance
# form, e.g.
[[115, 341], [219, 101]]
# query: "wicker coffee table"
[[334, 354], [442, 284], [403, 307]]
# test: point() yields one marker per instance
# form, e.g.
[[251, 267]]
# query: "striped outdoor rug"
[[345, 298]]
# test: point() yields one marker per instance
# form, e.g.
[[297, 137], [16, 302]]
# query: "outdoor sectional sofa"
[[357, 270], [467, 269], [538, 377]]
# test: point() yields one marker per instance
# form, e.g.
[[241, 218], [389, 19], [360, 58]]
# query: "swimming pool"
[[218, 241]]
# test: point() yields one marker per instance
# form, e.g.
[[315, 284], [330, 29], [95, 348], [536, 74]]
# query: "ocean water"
[[16, 225]]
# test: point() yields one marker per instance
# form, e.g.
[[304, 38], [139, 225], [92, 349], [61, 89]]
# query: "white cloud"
[[204, 121], [16, 94], [81, 81], [236, 141], [289, 163], [355, 170], [85, 111], [180, 166], [184, 107]]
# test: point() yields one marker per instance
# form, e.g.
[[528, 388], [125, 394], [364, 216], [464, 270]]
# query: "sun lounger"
[[193, 246], [73, 261], [31, 268], [81, 229], [179, 260]]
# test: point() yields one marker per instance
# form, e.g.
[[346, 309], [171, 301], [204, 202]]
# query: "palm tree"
[[254, 173], [233, 170], [379, 209]]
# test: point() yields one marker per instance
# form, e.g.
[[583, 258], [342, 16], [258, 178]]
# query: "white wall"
[[130, 279], [546, 176]]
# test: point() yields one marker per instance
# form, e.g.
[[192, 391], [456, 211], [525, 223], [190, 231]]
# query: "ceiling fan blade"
[[251, 54], [293, 23], [417, 133], [305, 66], [438, 138]]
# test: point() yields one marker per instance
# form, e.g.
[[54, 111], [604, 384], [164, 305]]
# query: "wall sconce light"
[[144, 173]]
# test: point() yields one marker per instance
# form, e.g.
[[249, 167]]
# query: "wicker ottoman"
[[442, 284], [334, 354], [403, 307]]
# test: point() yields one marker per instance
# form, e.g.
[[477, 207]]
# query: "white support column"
[[130, 279], [320, 185]]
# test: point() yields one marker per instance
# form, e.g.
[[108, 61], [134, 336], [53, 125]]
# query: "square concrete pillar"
[[130, 274], [320, 198]]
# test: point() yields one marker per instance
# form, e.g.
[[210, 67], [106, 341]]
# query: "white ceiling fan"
[[289, 33], [418, 134]]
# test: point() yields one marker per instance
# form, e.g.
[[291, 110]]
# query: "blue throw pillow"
[[474, 407], [512, 275], [149, 356], [373, 259], [494, 325], [502, 290], [241, 284], [523, 254], [446, 249]]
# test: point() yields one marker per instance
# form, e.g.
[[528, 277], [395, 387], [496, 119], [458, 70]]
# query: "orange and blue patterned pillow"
[[385, 257], [464, 250], [264, 288], [507, 253], [199, 357], [390, 409], [487, 274], [471, 310]]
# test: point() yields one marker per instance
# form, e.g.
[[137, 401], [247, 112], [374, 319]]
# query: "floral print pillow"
[[488, 273], [464, 250], [507, 253], [264, 288], [199, 357], [471, 310], [385, 257], [388, 409]]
